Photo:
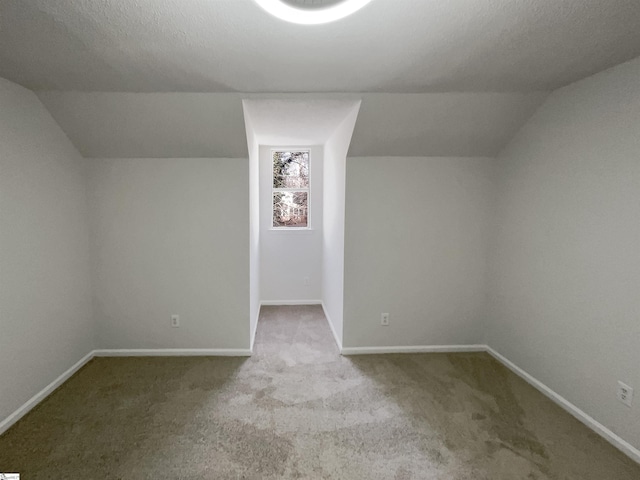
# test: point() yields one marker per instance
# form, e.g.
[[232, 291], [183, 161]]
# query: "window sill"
[[294, 231]]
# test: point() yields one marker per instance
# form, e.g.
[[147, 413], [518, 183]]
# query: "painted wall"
[[416, 242], [45, 284], [171, 236], [565, 303], [335, 154], [287, 257], [254, 226]]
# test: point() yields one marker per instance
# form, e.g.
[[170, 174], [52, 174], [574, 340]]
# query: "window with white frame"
[[290, 189]]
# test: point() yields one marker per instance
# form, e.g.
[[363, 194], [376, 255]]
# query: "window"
[[290, 189]]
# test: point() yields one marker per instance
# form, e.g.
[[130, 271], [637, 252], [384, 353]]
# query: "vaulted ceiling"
[[454, 77]]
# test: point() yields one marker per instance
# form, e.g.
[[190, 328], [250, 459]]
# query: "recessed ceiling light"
[[311, 12]]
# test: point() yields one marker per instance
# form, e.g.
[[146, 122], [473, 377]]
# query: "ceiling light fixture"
[[311, 12]]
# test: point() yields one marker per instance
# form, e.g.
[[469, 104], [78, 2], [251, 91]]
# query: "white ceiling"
[[151, 125], [440, 124], [293, 122], [104, 124], [397, 46], [166, 78]]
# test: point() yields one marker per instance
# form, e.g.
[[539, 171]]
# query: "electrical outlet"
[[625, 394], [175, 321], [384, 319], [306, 280]]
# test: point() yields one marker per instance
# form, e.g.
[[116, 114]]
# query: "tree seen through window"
[[291, 189]]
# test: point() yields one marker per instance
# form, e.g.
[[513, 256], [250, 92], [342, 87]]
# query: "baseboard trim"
[[8, 422], [252, 340], [618, 442], [569, 407], [174, 352], [290, 302], [42, 394], [333, 330], [413, 349]]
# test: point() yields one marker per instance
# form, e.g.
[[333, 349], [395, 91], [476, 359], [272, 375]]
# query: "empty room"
[[320, 239]]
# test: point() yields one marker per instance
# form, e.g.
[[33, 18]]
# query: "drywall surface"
[[288, 256], [452, 124], [416, 240], [198, 125], [45, 284], [565, 300], [335, 156], [234, 45], [254, 225], [171, 236], [150, 125]]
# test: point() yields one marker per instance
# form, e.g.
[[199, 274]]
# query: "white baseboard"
[[576, 412], [333, 330], [42, 394], [290, 302], [168, 352], [589, 421], [174, 352], [252, 340], [583, 417], [413, 349]]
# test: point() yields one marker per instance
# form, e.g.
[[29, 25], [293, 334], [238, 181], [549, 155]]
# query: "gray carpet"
[[297, 409]]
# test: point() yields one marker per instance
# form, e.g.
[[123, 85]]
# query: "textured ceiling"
[[398, 46]]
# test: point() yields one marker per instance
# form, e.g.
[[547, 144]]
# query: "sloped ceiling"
[[211, 124], [152, 125], [166, 78], [440, 124], [301, 121]]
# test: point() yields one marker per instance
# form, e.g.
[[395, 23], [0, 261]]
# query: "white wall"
[[566, 299], [286, 256], [254, 225], [416, 241], [171, 236], [45, 285], [335, 153]]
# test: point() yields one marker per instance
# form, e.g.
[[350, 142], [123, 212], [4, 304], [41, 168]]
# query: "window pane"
[[290, 209], [290, 169]]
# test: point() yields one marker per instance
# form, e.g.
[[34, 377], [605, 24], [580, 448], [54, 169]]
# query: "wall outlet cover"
[[625, 394]]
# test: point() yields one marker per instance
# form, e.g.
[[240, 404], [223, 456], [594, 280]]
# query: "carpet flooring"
[[298, 410]]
